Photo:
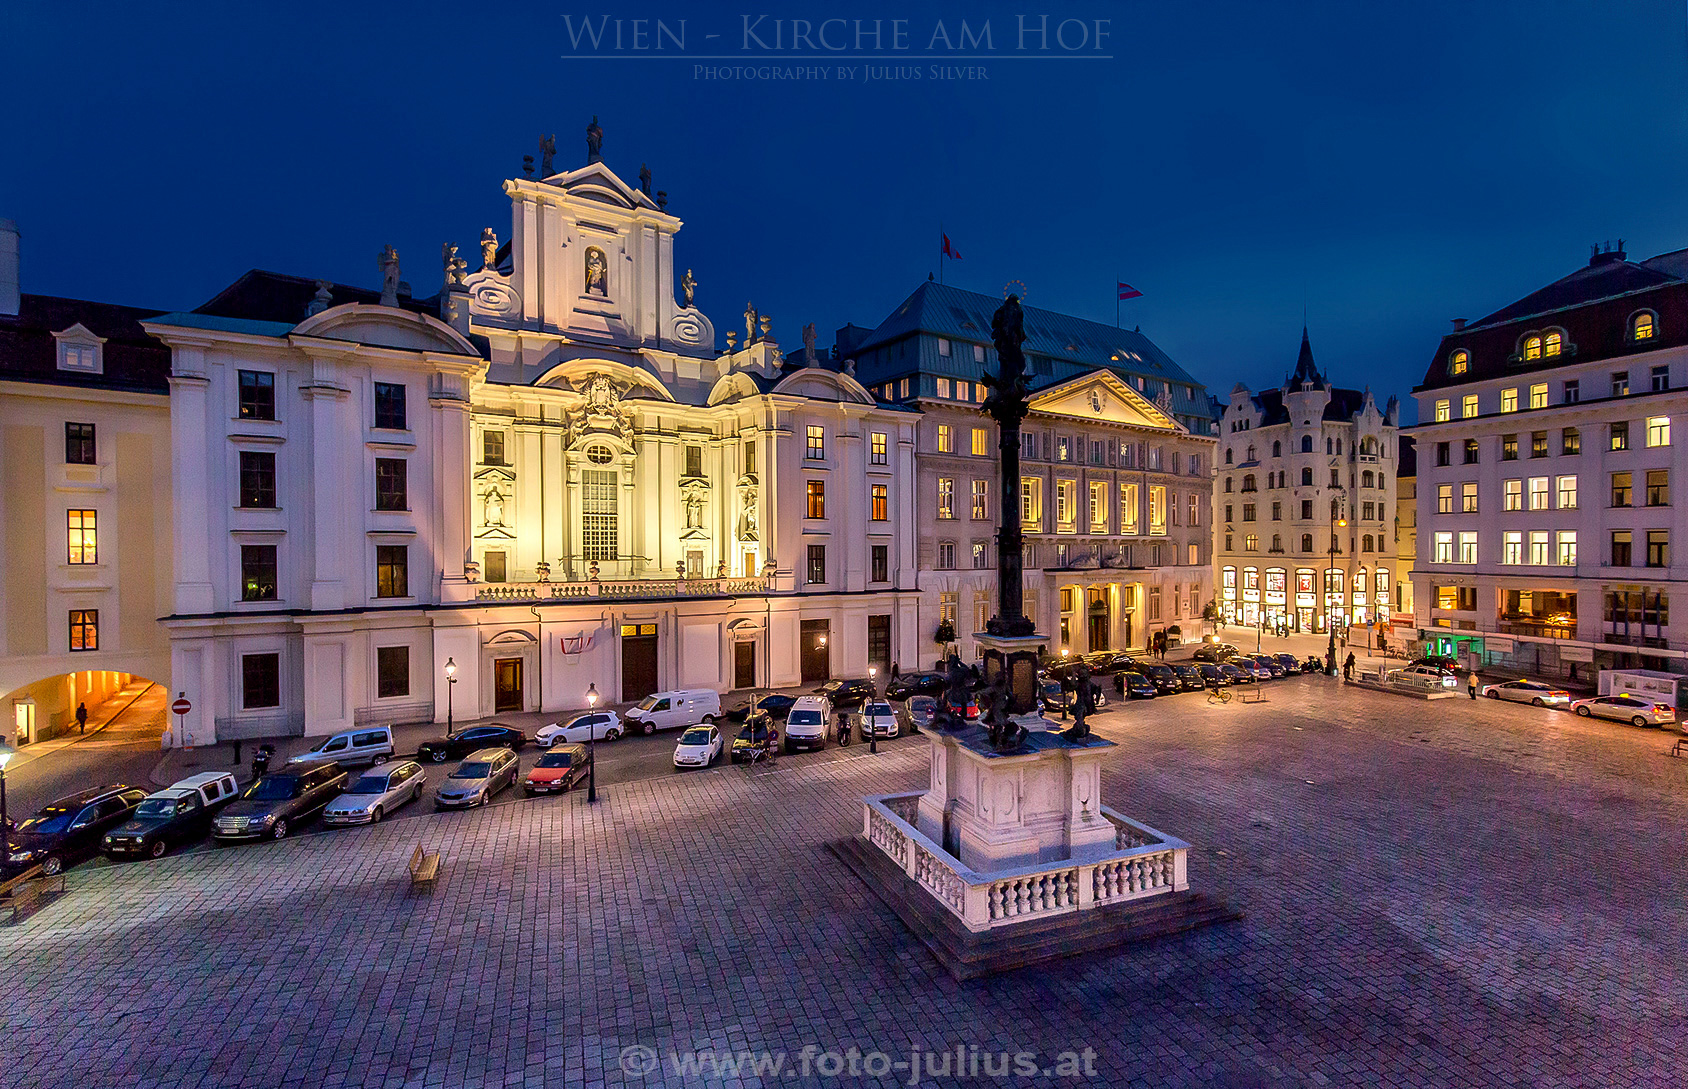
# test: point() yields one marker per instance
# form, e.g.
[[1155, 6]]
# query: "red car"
[[557, 770]]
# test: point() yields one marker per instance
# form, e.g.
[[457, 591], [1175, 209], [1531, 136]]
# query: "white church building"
[[545, 478]]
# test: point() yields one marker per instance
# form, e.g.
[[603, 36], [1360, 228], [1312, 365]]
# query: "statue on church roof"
[[809, 345], [645, 178], [527, 166], [547, 155], [662, 200], [455, 267], [489, 249], [389, 276], [594, 142], [321, 300], [749, 323], [688, 285]]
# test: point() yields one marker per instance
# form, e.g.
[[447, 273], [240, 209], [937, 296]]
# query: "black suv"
[[1166, 682], [852, 693], [916, 684], [280, 802], [460, 744], [68, 830]]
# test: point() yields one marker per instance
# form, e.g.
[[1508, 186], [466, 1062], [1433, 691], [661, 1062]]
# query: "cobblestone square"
[[1435, 894]]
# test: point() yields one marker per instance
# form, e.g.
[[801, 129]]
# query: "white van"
[[368, 745], [672, 710], [806, 723]]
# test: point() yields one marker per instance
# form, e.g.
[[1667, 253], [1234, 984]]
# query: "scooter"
[[261, 760], [843, 730]]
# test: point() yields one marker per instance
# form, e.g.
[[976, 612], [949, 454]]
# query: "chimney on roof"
[[1459, 324], [10, 284]]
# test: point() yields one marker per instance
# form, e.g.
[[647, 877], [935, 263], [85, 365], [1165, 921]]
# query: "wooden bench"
[[1680, 747], [24, 891], [424, 867]]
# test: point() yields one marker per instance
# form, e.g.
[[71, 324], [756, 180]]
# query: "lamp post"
[[1330, 627], [591, 748], [6, 754], [450, 682], [872, 732]]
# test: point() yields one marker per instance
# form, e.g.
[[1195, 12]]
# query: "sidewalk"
[[98, 719]]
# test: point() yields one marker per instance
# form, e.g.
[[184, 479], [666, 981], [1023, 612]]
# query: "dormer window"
[[1552, 344], [80, 351], [1643, 325], [1459, 361], [1532, 347]]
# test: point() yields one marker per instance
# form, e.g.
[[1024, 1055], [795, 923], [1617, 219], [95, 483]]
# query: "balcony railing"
[[620, 589]]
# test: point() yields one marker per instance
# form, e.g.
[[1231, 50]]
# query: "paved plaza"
[[1435, 894]]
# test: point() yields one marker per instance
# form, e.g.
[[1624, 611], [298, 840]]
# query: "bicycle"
[[1218, 695]]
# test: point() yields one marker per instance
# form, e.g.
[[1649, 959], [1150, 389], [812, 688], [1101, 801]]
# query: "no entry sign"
[[181, 706]]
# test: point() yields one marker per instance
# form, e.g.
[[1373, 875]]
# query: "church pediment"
[[598, 183], [1104, 396]]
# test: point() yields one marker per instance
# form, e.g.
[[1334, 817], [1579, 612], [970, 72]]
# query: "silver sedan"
[[377, 792], [1531, 692]]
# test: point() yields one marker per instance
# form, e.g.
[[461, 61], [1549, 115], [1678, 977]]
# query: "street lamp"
[[6, 754], [1330, 650], [872, 733], [591, 748], [450, 680]]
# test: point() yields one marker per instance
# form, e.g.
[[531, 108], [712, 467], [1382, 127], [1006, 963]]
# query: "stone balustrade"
[[619, 589], [1145, 862]]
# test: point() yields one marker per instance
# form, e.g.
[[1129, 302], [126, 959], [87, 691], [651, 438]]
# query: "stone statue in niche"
[[594, 142], [597, 272], [489, 250], [389, 276], [747, 512], [694, 510], [547, 155], [492, 513], [688, 285]]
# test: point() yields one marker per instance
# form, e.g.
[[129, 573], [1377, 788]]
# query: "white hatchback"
[[595, 726], [699, 747]]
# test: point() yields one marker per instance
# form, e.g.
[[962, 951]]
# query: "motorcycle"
[[843, 730], [261, 760]]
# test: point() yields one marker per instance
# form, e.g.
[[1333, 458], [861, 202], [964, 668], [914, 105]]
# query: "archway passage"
[[120, 741]]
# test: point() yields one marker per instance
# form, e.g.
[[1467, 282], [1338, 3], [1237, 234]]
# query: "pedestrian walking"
[[82, 718], [1348, 667], [896, 671], [1471, 684]]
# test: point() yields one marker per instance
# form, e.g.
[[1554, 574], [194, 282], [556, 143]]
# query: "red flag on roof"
[[1126, 291], [950, 251]]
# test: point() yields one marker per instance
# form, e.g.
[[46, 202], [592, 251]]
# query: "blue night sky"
[[1387, 166]]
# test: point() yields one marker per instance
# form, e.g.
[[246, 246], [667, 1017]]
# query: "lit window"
[[1031, 504], [881, 503], [944, 388], [981, 442], [392, 571], [1444, 501], [1658, 431], [1538, 493], [946, 497], [946, 555], [1619, 433], [1098, 507], [816, 450], [1641, 326], [1512, 495], [1509, 400], [1567, 548], [84, 629], [1468, 406], [1157, 510], [1459, 362], [1512, 548], [1468, 547], [1552, 343], [877, 449], [1065, 515], [1442, 411], [817, 499], [1532, 348], [1538, 547], [980, 562], [981, 499], [1538, 395], [1128, 508], [1443, 552], [1567, 493], [1468, 498], [257, 573], [946, 439], [79, 532]]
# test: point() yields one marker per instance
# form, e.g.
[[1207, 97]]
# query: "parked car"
[[844, 694], [375, 793], [592, 726], [559, 769], [807, 722], [1256, 669], [1051, 697], [1213, 652], [777, 706], [280, 802], [1437, 661], [1166, 682], [759, 733], [916, 713], [1212, 675], [64, 832], [698, 747], [370, 745], [1135, 686], [1624, 707], [1444, 676], [916, 684], [1236, 673], [875, 720], [481, 775], [1291, 664], [674, 710], [1107, 661], [1531, 692], [1059, 667], [465, 741], [1189, 676], [1273, 667], [180, 813]]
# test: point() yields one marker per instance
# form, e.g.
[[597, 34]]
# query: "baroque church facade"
[[544, 479]]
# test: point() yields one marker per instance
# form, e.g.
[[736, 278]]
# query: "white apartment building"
[[1305, 501], [1548, 476]]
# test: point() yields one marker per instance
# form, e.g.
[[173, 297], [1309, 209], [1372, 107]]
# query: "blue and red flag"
[[1126, 291]]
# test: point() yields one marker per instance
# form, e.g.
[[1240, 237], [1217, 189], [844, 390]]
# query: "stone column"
[[190, 485]]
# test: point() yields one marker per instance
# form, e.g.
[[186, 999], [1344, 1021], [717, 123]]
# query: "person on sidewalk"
[[1348, 667], [82, 718], [1471, 684]]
